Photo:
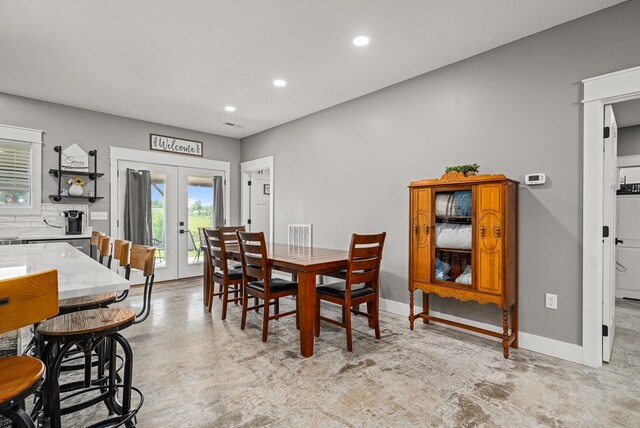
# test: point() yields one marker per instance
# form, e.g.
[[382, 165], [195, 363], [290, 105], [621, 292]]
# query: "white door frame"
[[598, 91], [120, 153], [246, 168]]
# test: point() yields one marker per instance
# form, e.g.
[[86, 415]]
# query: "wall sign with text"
[[164, 143]]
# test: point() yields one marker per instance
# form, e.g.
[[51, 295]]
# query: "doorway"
[[258, 196], [184, 200], [598, 280]]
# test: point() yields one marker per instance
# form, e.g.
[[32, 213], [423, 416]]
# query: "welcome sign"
[[164, 143]]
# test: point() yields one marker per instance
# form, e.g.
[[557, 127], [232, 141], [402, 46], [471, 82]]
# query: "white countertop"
[[60, 236], [78, 274]]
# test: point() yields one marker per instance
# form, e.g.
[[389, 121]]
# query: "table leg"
[[307, 309]]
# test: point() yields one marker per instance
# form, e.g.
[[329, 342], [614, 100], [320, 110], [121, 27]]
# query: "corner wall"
[[513, 110]]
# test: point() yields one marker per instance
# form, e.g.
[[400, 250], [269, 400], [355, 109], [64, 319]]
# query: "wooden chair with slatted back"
[[142, 258], [365, 255], [257, 281], [24, 301], [230, 280], [93, 243], [105, 250]]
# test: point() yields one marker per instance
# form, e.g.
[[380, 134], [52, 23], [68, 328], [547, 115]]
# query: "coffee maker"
[[73, 222]]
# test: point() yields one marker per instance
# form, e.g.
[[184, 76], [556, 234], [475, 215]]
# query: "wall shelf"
[[92, 175]]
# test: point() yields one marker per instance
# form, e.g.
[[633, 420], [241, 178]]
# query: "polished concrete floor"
[[198, 371]]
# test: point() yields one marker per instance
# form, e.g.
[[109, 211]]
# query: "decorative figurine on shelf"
[[76, 186], [470, 169]]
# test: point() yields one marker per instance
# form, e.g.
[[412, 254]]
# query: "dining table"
[[78, 274], [307, 263]]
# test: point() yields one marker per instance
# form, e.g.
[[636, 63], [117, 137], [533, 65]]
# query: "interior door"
[[610, 186], [195, 210], [259, 202], [164, 191]]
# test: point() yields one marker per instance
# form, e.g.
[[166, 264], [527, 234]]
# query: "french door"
[[182, 202]]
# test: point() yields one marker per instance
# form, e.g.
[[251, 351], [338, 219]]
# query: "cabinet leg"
[[411, 309], [505, 333], [514, 325], [425, 306]]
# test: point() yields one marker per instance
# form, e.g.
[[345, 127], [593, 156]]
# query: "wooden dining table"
[[307, 263]]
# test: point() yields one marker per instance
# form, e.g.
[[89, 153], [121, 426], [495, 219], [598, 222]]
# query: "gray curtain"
[[137, 207], [218, 202]]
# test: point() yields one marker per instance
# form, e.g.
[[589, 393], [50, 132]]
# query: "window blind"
[[15, 166]]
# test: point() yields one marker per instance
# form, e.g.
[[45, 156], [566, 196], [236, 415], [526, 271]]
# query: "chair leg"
[[255, 301], [225, 300], [276, 308], [344, 316], [245, 303], [317, 326], [347, 323], [220, 291], [211, 296], [265, 321], [376, 318], [370, 310], [19, 417]]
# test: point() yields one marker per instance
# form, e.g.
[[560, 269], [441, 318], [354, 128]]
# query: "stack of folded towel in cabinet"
[[454, 204], [453, 236]]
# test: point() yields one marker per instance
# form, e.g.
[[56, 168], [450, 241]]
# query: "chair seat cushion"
[[338, 289], [89, 321], [233, 274], [87, 301], [277, 285], [18, 374]]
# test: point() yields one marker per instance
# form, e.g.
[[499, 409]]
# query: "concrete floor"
[[197, 371]]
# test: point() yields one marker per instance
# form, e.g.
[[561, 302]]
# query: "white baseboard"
[[531, 342]]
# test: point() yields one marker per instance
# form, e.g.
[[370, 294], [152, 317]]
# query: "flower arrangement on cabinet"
[[469, 169]]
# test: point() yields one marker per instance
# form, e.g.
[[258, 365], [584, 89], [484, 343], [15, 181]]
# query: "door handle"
[[181, 231], [619, 241]]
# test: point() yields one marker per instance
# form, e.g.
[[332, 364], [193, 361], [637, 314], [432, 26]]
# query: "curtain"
[[137, 207], [218, 202]]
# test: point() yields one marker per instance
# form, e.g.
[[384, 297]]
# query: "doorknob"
[[182, 231], [619, 241]]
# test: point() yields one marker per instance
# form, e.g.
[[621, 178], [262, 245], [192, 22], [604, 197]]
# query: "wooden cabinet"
[[463, 245]]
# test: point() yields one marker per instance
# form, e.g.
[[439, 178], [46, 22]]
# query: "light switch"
[[99, 215]]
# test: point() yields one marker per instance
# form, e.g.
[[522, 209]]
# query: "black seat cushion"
[[233, 274], [277, 285], [338, 289]]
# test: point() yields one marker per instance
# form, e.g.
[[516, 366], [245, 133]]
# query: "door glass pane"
[[454, 237], [159, 216], [200, 209]]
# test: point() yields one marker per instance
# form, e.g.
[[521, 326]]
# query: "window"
[[20, 171]]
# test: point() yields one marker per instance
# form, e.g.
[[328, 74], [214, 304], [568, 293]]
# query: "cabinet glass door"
[[454, 237]]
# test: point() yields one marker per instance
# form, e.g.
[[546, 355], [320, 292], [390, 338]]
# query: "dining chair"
[[230, 280], [257, 281], [93, 243], [24, 301], [365, 255], [191, 246]]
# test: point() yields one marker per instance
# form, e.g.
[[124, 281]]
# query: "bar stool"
[[93, 243], [122, 253], [23, 301], [93, 330], [105, 249]]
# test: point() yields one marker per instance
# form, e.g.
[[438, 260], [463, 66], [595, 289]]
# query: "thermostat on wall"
[[533, 179]]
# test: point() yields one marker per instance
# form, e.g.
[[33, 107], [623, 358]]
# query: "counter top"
[[78, 274], [61, 236]]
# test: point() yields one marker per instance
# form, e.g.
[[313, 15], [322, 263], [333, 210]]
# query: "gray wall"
[[64, 125], [629, 141], [513, 110]]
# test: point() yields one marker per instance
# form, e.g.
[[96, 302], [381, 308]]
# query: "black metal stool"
[[94, 330]]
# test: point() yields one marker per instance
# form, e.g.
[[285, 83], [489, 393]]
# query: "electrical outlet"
[[551, 301], [99, 215]]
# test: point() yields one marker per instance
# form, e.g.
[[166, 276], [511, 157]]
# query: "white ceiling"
[[180, 62]]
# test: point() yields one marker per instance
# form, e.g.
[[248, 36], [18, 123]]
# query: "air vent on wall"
[[235, 125]]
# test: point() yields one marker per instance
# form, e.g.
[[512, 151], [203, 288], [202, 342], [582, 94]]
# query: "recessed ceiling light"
[[279, 83], [361, 41], [229, 108]]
